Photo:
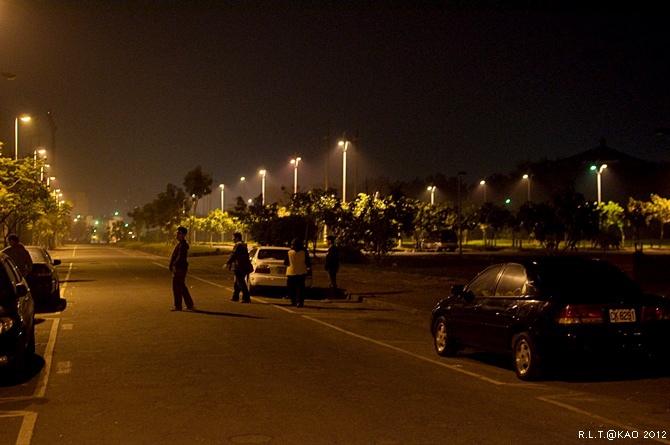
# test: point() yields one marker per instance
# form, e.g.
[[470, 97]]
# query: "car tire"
[[252, 289], [24, 358], [526, 360], [444, 344]]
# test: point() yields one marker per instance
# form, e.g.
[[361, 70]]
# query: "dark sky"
[[143, 92]]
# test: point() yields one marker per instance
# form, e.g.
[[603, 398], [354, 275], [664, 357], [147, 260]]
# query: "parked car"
[[439, 241], [43, 280], [269, 270], [538, 310], [17, 319]]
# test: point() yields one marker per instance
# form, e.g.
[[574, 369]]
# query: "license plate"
[[622, 316], [281, 270]]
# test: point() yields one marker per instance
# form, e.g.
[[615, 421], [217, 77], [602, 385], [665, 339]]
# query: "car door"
[[500, 311], [468, 319]]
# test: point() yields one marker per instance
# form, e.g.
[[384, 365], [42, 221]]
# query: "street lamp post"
[[344, 144], [460, 228], [42, 171], [244, 186], [295, 161], [527, 178], [483, 184], [223, 199], [432, 194], [23, 118], [599, 172], [262, 173]]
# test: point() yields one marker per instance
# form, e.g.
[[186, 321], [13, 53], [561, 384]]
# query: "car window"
[[273, 254], [512, 281], [484, 284], [37, 255], [253, 252]]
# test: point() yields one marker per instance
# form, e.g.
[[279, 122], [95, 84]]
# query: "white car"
[[269, 270]]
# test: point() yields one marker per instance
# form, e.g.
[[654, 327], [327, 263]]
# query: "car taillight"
[[262, 269], [655, 313], [581, 314], [40, 272]]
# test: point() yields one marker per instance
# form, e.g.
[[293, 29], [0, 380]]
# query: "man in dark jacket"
[[240, 264], [19, 254], [332, 265], [178, 268]]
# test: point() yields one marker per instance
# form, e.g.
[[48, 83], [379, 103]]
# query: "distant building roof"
[[603, 154]]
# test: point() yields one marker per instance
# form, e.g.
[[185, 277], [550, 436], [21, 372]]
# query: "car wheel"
[[252, 289], [24, 356], [526, 359], [444, 345]]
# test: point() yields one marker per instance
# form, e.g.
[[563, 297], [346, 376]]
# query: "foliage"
[[638, 215], [429, 218], [27, 202]]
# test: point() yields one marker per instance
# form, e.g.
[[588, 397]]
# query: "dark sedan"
[[541, 309], [44, 281], [17, 319]]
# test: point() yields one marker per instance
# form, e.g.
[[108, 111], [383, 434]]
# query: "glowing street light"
[[483, 184], [223, 199], [262, 173], [527, 178], [344, 144], [23, 118], [432, 194], [295, 161], [244, 186], [599, 172]]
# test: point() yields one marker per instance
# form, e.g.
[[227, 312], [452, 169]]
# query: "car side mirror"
[[21, 290], [57, 262]]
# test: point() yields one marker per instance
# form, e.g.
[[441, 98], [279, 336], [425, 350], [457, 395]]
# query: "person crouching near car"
[[240, 264], [299, 265]]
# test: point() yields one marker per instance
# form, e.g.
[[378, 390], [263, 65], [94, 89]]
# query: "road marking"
[[429, 360], [622, 426], [64, 367], [41, 388], [207, 281], [457, 368], [27, 425]]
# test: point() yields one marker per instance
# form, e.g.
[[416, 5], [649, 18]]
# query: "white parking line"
[[27, 425], [30, 417], [547, 399]]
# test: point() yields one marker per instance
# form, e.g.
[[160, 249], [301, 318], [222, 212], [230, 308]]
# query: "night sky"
[[143, 92]]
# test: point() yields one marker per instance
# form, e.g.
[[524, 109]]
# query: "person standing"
[[240, 264], [178, 268], [299, 265], [18, 253], [332, 265]]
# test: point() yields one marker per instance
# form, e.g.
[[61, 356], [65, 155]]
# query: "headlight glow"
[[6, 324]]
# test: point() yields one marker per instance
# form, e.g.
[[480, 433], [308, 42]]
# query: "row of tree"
[[28, 207], [376, 224]]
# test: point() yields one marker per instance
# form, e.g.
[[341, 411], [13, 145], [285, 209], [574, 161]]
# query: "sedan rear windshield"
[[37, 255], [273, 254], [587, 282]]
